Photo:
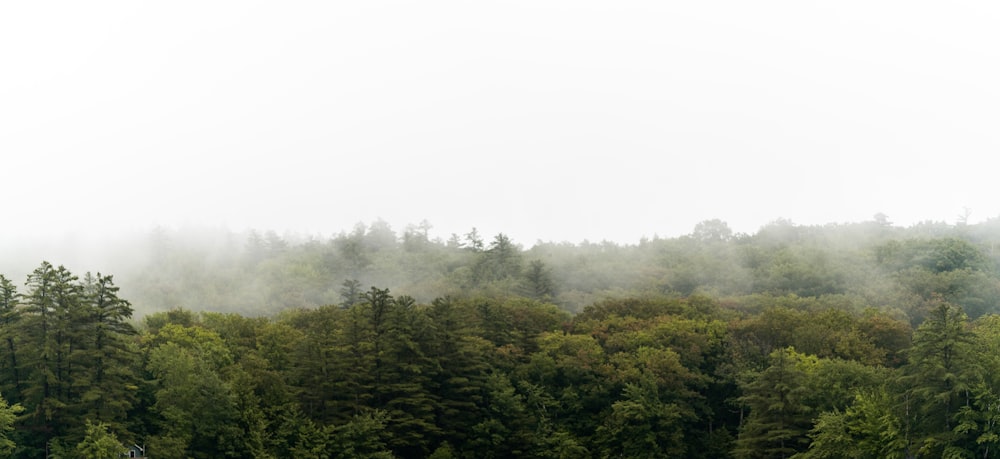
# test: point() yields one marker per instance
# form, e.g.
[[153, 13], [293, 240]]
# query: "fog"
[[555, 121]]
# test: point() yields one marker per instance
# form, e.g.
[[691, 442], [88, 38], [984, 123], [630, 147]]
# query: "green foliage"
[[197, 407], [364, 437], [797, 341], [869, 429], [779, 414], [935, 255], [350, 293], [499, 265], [829, 332], [71, 357], [941, 374], [99, 443], [263, 273], [714, 230], [538, 282], [10, 338], [8, 414], [642, 424]]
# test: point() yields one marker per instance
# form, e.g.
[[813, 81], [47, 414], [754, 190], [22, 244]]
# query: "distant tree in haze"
[[963, 218], [473, 241], [275, 244], [500, 262], [414, 239], [351, 248], [539, 282], [350, 293], [714, 230], [380, 236], [256, 247]]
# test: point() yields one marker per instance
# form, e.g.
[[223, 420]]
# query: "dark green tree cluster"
[[69, 358], [940, 403]]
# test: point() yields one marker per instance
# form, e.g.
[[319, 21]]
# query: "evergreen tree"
[[506, 428], [473, 241], [460, 380], [393, 368], [111, 381], [500, 262], [779, 418], [350, 293], [377, 309], [364, 437], [941, 374], [10, 324], [539, 283], [643, 425], [411, 401], [51, 309], [328, 362], [8, 414]]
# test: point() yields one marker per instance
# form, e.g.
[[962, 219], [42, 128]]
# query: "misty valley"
[[855, 340]]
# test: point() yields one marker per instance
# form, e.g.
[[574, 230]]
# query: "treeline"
[[755, 376], [875, 263]]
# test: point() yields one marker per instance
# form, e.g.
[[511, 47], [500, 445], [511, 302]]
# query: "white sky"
[[551, 120]]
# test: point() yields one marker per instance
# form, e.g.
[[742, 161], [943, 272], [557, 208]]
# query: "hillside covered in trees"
[[869, 264], [856, 340]]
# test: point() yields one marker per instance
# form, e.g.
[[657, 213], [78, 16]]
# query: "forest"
[[859, 340]]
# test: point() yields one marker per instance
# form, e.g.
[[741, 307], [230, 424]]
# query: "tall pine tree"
[[941, 375], [108, 354], [10, 323]]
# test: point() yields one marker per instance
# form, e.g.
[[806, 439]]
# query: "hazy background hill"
[[872, 263]]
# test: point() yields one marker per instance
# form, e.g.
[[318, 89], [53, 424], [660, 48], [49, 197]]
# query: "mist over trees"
[[262, 273], [852, 340]]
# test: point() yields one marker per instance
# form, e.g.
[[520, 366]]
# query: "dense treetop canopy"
[[860, 340]]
